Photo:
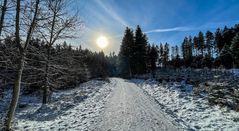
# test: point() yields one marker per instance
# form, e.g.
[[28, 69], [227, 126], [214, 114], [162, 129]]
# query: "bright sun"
[[102, 42]]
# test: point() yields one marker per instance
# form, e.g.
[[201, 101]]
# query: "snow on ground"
[[190, 111], [235, 72], [130, 109], [121, 105], [74, 109], [96, 105]]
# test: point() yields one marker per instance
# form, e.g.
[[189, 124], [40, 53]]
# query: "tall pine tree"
[[165, 55], [209, 43], [235, 49], [201, 42], [161, 55], [125, 54], [195, 45], [219, 40], [153, 57], [140, 51], [226, 57]]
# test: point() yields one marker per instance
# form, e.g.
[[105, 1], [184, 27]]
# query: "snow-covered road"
[[129, 109], [119, 105]]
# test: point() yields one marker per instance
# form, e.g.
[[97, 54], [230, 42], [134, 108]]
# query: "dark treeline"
[[68, 68], [211, 50]]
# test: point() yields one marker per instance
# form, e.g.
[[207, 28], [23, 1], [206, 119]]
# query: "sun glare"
[[102, 42]]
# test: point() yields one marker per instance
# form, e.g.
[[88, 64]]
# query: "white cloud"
[[169, 29], [209, 25]]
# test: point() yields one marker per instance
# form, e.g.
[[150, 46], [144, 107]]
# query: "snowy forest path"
[[129, 108]]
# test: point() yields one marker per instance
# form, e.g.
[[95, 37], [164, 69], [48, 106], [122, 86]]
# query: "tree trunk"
[[17, 84], [15, 94], [51, 42], [153, 73], [46, 86], [130, 71], [4, 9], [44, 99]]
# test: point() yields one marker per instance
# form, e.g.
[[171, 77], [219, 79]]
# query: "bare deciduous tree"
[[22, 47], [59, 24]]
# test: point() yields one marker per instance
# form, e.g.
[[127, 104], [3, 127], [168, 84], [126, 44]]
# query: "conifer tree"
[[219, 40], [209, 43], [184, 47], [141, 42], [236, 28], [190, 49], [148, 57], [235, 49], [187, 50], [228, 35], [126, 62], [195, 45], [177, 58], [153, 56], [201, 42], [160, 54], [173, 53], [226, 57], [165, 54]]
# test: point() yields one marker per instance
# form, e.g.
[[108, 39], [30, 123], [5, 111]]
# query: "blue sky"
[[163, 20]]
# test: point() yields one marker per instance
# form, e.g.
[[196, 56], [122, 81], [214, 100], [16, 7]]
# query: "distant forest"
[[68, 66], [210, 50]]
